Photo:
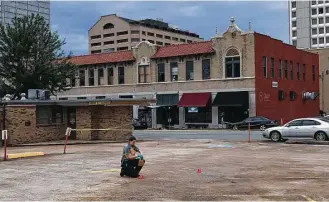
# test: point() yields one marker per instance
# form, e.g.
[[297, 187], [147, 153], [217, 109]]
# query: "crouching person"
[[132, 160]]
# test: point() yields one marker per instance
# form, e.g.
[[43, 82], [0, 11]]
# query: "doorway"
[[71, 122]]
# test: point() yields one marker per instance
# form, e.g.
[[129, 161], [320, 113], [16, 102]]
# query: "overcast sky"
[[72, 19]]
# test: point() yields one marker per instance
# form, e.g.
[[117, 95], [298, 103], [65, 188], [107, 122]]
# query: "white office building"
[[309, 23], [10, 9]]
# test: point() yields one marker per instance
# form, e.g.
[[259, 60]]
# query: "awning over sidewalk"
[[167, 99], [231, 99], [194, 100]]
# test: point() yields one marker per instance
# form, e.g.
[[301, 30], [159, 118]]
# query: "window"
[[96, 51], [100, 97], [46, 115], [134, 32], [96, 37], [135, 40], [143, 32], [313, 2], [189, 41], [293, 14], [108, 50], [293, 4], [108, 42], [310, 123], [161, 72], [122, 41], [314, 31], [175, 39], [167, 37], [294, 43], [232, 63], [101, 76], [294, 23], [294, 33], [327, 9], [159, 36], [108, 35], [314, 11], [321, 30], [321, 21], [205, 69], [122, 33], [286, 69], [327, 39], [150, 34], [320, 11], [321, 40], [280, 95], [151, 41], [109, 76], [292, 95], [314, 21], [174, 71], [182, 40], [108, 26], [167, 44], [313, 72], [272, 68], [291, 70], [159, 43], [314, 41], [121, 75], [122, 48], [320, 2], [189, 70], [82, 77], [280, 69], [96, 44], [91, 76], [304, 72], [143, 74], [298, 71], [143, 39], [327, 30], [264, 66], [81, 98], [295, 123]]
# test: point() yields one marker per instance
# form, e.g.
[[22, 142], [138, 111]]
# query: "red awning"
[[194, 100]]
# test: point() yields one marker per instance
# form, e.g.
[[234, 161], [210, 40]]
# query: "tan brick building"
[[324, 77], [114, 33], [32, 121], [231, 75]]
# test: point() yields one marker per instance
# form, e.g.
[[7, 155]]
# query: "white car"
[[314, 128]]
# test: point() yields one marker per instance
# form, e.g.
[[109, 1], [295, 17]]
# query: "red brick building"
[[293, 72]]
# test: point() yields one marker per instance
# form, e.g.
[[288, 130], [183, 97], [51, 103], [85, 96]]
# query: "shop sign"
[[193, 109]]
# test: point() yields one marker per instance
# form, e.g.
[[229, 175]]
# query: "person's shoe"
[[121, 173]]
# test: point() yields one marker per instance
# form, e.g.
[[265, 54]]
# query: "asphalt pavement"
[[225, 135]]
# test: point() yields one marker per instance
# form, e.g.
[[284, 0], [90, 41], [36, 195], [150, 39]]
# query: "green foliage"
[[31, 57]]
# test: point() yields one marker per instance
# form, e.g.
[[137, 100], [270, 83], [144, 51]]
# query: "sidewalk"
[[69, 142]]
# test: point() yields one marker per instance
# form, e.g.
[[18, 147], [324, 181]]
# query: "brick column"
[[83, 121], [214, 117], [252, 104], [181, 117]]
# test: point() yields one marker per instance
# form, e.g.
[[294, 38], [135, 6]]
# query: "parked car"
[[138, 124], [256, 122], [314, 128]]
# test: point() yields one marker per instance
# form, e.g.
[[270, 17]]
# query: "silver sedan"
[[304, 128]]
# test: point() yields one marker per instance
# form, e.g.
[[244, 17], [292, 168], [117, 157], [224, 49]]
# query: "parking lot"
[[230, 170]]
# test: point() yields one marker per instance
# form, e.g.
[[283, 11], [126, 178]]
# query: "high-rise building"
[[309, 23], [10, 9], [114, 33]]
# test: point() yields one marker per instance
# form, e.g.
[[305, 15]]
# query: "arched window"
[[232, 63], [108, 26]]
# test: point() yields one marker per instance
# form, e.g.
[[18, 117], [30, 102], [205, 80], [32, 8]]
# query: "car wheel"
[[262, 127], [275, 136], [235, 127], [321, 136]]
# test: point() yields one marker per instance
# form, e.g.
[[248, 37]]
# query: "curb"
[[310, 143]]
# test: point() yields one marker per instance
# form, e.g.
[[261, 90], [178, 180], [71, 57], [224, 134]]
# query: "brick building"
[[238, 74], [31, 121]]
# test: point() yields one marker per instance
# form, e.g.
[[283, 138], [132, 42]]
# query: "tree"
[[31, 57]]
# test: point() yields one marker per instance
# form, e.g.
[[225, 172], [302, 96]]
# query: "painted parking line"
[[106, 171], [308, 198], [24, 155]]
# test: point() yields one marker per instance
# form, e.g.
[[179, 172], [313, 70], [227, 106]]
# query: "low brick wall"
[[102, 117]]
